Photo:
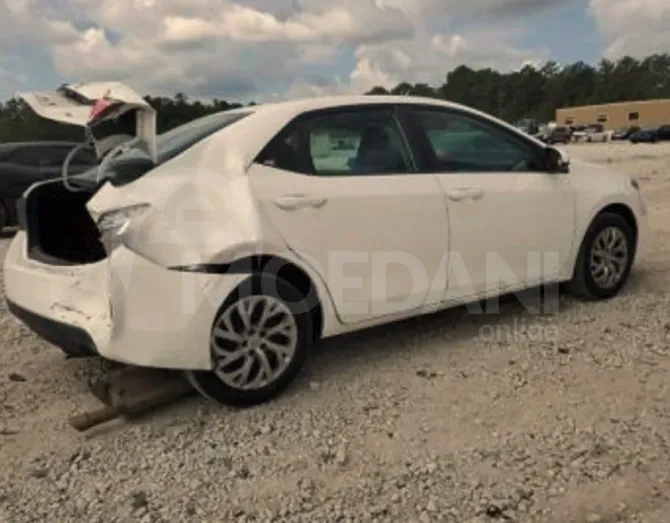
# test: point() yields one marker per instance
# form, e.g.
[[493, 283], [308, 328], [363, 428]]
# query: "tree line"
[[531, 92]]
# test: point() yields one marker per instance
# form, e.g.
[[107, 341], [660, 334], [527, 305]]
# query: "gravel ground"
[[451, 417]]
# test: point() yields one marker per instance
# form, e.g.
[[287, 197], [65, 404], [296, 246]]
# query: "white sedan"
[[228, 247]]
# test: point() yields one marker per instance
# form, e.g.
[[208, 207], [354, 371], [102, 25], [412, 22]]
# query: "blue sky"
[[261, 49], [568, 31]]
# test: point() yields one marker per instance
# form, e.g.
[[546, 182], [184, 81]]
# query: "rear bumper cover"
[[124, 308], [74, 341]]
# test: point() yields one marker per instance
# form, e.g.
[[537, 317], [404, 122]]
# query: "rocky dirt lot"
[[451, 417]]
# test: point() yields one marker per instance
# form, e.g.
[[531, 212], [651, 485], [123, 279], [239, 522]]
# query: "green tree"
[[531, 92]]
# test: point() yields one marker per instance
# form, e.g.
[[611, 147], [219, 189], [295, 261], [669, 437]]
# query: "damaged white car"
[[227, 247]]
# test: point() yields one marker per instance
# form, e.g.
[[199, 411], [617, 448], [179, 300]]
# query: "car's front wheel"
[[259, 342], [605, 258]]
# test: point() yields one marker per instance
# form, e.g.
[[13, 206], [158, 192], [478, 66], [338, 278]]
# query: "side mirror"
[[556, 161]]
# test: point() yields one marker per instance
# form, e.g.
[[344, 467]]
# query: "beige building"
[[615, 116]]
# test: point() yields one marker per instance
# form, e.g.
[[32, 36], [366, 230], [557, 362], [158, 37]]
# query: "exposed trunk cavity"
[[60, 229]]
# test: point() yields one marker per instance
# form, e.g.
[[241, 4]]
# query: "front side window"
[[348, 142], [462, 143]]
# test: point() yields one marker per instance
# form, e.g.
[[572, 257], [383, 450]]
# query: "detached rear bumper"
[[125, 308]]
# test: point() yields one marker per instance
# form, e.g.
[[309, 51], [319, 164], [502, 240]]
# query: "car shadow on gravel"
[[399, 342], [410, 339], [406, 338]]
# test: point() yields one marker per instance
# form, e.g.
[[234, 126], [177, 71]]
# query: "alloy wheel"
[[253, 342], [609, 257]]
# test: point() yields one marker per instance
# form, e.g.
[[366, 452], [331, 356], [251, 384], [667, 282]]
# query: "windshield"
[[178, 140]]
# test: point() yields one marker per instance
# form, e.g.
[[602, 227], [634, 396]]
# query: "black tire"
[[213, 388], [583, 283]]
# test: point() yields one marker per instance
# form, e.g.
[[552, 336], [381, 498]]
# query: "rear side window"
[[341, 143]]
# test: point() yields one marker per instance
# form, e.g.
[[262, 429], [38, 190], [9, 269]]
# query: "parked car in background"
[[663, 132], [625, 132], [651, 135], [24, 163], [558, 134], [578, 132], [597, 133]]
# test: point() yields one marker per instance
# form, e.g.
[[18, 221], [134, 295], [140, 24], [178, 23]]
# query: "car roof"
[[289, 109], [325, 102]]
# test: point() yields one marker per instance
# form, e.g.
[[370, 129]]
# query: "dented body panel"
[[134, 311]]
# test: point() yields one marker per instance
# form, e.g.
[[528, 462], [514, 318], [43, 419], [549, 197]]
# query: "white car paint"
[[598, 136], [139, 312]]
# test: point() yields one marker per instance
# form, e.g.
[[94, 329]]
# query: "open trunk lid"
[[110, 112]]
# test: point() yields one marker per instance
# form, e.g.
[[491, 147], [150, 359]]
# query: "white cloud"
[[250, 49], [633, 27], [429, 57]]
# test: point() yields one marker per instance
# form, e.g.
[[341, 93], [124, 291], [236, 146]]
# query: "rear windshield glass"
[[179, 139]]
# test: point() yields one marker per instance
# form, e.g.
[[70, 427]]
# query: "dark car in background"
[[625, 132], [24, 163], [663, 132], [651, 135]]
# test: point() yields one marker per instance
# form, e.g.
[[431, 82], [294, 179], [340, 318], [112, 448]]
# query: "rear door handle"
[[299, 201], [461, 193]]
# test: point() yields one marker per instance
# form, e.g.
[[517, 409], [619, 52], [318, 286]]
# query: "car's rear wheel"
[[605, 258], [259, 341]]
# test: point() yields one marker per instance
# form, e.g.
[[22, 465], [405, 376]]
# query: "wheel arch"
[[626, 213], [290, 272], [619, 208], [279, 266]]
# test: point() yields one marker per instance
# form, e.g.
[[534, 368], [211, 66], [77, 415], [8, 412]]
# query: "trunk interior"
[[60, 230]]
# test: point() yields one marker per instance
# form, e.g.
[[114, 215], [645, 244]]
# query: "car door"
[[511, 224], [342, 188]]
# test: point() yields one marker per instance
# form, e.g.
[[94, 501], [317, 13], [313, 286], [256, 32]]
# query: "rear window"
[[177, 140]]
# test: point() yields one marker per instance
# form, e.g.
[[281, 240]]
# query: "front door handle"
[[300, 201], [461, 193]]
